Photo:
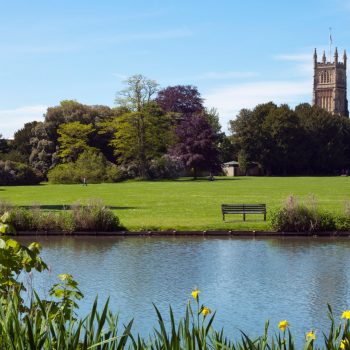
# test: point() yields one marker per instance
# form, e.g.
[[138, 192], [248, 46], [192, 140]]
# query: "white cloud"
[[303, 62], [13, 119], [300, 57], [229, 100]]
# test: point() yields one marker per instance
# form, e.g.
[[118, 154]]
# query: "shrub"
[[90, 165], [166, 167], [295, 217], [14, 173], [94, 216]]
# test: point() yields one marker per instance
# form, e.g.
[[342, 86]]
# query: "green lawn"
[[187, 204]]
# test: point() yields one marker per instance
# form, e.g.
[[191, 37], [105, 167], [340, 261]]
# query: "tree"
[[141, 136], [226, 149], [73, 140], [328, 140], [44, 143], [4, 146], [138, 92], [248, 134], [307, 140], [285, 143], [184, 100], [22, 137], [196, 145], [42, 156]]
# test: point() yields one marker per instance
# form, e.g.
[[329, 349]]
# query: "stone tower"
[[330, 84]]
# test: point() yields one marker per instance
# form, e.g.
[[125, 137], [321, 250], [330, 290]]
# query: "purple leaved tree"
[[183, 100], [196, 145]]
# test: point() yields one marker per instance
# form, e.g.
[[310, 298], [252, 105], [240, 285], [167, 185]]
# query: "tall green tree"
[[138, 92], [4, 145], [22, 137], [249, 135], [285, 142], [74, 140], [141, 136], [328, 140]]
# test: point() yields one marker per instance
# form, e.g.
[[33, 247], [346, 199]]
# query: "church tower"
[[330, 84]]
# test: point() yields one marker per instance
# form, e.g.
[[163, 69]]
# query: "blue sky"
[[238, 53]]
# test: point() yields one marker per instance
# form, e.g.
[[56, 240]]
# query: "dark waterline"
[[246, 280]]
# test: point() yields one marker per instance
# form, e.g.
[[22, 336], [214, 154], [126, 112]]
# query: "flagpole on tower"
[[330, 44]]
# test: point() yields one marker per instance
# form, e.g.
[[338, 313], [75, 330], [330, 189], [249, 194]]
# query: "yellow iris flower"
[[195, 293], [346, 314], [205, 311], [310, 336], [342, 344], [283, 325]]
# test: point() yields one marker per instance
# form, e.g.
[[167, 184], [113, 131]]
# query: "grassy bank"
[[186, 204]]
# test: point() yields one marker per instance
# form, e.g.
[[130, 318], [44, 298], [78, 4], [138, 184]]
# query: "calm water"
[[246, 280]]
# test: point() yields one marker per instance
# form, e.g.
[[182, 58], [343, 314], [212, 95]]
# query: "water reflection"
[[246, 280]]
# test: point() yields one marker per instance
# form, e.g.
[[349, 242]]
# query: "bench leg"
[[265, 217], [243, 217], [223, 217]]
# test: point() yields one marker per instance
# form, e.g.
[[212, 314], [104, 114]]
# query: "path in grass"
[[186, 204]]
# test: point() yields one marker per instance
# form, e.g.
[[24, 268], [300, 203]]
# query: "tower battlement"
[[330, 84]]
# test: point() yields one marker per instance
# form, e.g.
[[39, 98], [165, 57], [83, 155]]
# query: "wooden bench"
[[243, 209]]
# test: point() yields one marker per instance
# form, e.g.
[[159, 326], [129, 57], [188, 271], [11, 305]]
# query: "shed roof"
[[232, 162]]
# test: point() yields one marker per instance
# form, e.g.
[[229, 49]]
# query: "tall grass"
[[37, 329], [307, 217], [92, 215]]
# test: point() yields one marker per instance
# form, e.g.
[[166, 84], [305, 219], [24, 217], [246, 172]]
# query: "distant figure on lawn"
[[84, 181]]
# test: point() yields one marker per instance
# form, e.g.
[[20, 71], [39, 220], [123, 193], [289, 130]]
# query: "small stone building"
[[232, 169]]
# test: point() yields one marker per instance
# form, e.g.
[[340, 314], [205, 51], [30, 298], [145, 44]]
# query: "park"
[[174, 175], [185, 204]]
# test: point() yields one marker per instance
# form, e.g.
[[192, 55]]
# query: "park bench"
[[243, 209]]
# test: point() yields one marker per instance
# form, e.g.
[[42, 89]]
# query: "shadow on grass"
[[205, 179], [67, 206]]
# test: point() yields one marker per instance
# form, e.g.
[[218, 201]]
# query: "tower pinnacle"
[[344, 58], [336, 56]]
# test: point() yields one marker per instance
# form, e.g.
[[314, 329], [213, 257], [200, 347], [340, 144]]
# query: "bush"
[[14, 173], [166, 167], [94, 216], [295, 217], [90, 165]]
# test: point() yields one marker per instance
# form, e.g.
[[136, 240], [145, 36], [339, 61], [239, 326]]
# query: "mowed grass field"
[[186, 204]]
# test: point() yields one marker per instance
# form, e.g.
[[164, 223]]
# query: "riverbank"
[[184, 204], [218, 233]]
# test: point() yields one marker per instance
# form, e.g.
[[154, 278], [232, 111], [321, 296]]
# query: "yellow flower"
[[346, 314], [205, 311], [342, 344], [283, 325], [310, 336], [195, 293]]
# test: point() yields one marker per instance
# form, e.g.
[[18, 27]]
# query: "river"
[[247, 281]]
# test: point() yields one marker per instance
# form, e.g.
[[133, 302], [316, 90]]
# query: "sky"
[[238, 53]]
